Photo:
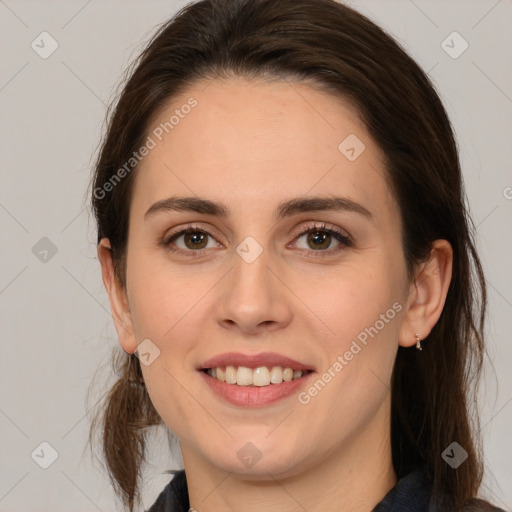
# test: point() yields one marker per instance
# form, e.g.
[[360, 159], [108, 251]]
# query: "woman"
[[290, 268]]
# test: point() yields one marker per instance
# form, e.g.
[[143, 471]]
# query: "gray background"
[[56, 329]]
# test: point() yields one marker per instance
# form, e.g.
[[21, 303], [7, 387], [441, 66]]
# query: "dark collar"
[[410, 494]]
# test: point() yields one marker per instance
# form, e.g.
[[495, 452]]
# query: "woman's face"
[[267, 280]]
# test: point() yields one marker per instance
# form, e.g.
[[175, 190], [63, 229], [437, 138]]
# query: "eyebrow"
[[284, 209]]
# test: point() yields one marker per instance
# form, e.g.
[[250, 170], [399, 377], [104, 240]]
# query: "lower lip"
[[254, 396]]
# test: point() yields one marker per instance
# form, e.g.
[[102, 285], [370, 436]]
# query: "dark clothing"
[[174, 497], [412, 493]]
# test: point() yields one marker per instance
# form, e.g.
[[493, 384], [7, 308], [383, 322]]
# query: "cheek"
[[162, 298], [354, 299], [363, 314], [166, 308]]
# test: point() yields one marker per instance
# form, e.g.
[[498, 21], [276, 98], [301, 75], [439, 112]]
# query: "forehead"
[[254, 142]]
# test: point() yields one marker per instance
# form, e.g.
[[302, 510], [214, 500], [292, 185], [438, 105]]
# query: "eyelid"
[[323, 226], [342, 236], [182, 230], [196, 226]]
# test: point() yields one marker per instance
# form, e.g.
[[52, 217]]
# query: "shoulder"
[[174, 497], [413, 493], [473, 505], [478, 505]]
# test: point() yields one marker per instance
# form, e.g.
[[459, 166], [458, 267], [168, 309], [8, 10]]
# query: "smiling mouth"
[[256, 377]]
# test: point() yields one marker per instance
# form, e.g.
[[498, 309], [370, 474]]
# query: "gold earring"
[[418, 344]]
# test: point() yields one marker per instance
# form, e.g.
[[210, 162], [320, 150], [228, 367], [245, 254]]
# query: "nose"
[[253, 298]]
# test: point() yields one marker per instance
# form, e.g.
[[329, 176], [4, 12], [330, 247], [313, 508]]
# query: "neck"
[[354, 477]]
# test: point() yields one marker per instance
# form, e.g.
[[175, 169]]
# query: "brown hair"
[[344, 53]]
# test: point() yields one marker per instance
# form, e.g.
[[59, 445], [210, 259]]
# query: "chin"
[[261, 469], [256, 457]]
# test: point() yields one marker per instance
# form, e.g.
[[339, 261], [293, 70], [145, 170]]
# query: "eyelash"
[[344, 239]]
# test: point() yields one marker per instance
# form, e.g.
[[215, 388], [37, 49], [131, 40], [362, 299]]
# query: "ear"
[[427, 294], [118, 298]]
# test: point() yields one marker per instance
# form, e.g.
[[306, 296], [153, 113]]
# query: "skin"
[[252, 145]]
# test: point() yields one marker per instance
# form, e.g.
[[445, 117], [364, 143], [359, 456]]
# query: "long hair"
[[338, 50]]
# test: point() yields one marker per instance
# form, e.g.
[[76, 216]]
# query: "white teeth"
[[287, 374], [244, 376], [261, 376], [276, 375], [230, 375]]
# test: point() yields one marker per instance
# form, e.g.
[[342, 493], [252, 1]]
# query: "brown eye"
[[195, 239], [320, 240], [190, 240]]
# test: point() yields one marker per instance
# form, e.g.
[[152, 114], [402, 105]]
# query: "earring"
[[418, 344]]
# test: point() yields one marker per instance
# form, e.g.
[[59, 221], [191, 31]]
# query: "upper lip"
[[268, 359]]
